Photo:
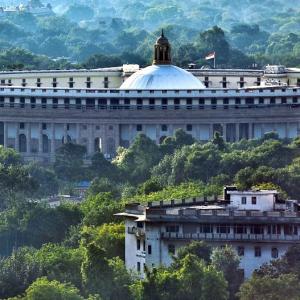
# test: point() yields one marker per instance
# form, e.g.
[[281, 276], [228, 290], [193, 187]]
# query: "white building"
[[256, 224]]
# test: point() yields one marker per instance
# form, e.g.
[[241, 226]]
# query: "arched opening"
[[46, 144], [22, 143], [97, 144]]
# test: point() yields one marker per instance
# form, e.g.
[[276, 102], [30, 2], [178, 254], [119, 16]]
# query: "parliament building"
[[106, 108]]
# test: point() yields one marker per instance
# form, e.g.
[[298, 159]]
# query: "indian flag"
[[210, 55]]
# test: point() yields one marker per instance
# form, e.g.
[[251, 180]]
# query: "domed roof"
[[162, 77], [162, 40]]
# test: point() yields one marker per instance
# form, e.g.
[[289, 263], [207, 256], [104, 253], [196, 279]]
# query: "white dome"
[[162, 77]]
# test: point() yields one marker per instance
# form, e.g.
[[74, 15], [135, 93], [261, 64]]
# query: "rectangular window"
[[149, 249], [274, 253], [171, 249], [22, 125], [138, 266], [189, 127], [206, 228], [172, 228], [244, 200], [139, 127], [241, 251], [223, 228], [44, 126], [164, 127], [274, 229], [88, 85], [144, 245], [240, 229], [253, 200], [257, 229], [138, 244], [257, 251]]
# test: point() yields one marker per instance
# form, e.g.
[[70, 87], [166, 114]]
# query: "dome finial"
[[162, 51]]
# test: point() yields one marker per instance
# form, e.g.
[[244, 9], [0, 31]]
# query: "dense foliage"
[[109, 33], [76, 251]]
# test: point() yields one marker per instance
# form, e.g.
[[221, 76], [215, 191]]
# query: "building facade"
[[256, 224], [104, 109]]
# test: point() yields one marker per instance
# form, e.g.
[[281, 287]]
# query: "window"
[[164, 127], [139, 127], [253, 200], [244, 200], [172, 228], [139, 102], [144, 245], [224, 83], [164, 102], [22, 125], [274, 229], [138, 244], [105, 82], [177, 102], [237, 101], [88, 85], [241, 251], [44, 126], [171, 249], [149, 249], [257, 229], [223, 228], [138, 266], [71, 85], [258, 81], [240, 229], [257, 251], [274, 253], [261, 100], [206, 228], [189, 127], [206, 81]]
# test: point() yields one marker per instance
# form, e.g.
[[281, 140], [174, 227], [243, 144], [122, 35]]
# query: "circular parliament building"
[[36, 119]]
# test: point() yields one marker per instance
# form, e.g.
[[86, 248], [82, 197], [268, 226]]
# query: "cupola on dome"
[[162, 75]]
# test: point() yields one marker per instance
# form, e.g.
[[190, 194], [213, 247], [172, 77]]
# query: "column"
[[65, 133], [157, 134], [211, 131], [28, 137], [237, 132], [250, 128], [77, 133], [287, 129], [224, 127], [52, 138], [17, 137], [130, 134], [198, 132], [5, 128], [90, 139], [171, 130], [40, 138], [117, 135]]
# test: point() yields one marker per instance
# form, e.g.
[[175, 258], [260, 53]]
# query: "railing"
[[229, 237], [137, 231]]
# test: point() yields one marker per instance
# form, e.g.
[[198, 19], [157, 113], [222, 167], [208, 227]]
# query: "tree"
[[43, 289], [139, 158], [69, 162], [227, 261], [267, 288], [99, 209]]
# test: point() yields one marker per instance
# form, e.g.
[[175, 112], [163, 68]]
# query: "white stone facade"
[[155, 233]]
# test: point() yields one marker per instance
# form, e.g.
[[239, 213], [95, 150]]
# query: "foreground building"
[[38, 115], [256, 224]]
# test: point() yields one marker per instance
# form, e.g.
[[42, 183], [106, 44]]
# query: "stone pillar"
[[287, 129], [157, 134], [224, 128], [250, 128], [5, 136], [171, 130], [53, 138], [90, 148], [117, 135], [130, 134], [237, 132], [77, 134], [40, 137], [65, 133], [17, 137], [28, 137], [211, 131]]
